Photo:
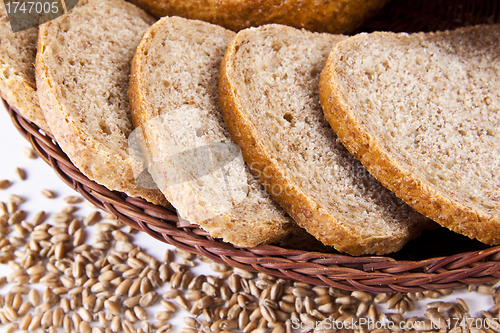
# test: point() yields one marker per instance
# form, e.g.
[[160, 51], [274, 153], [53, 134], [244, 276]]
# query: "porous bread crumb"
[[105, 81], [174, 100], [423, 116], [270, 97], [83, 67], [17, 70]]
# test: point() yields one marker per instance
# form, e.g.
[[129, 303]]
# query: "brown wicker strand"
[[370, 273]]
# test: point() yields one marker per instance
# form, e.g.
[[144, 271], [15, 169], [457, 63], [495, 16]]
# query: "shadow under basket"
[[438, 259]]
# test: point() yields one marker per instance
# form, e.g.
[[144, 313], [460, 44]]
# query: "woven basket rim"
[[368, 273]]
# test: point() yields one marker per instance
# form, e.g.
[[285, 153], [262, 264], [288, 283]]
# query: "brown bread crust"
[[94, 159], [335, 16], [419, 193], [17, 57], [298, 203], [222, 226], [229, 226]]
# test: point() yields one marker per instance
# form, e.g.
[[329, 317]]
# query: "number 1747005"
[[32, 7], [480, 323]]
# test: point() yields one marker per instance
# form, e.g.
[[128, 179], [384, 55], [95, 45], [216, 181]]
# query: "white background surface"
[[41, 176]]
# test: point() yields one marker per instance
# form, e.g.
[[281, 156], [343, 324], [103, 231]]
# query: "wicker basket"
[[437, 259]]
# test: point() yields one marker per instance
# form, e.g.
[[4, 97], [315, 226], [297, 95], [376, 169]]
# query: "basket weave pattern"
[[445, 260], [373, 273]]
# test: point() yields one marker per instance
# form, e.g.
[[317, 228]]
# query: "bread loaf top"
[[335, 16], [173, 94], [268, 90], [421, 112], [17, 70], [82, 71]]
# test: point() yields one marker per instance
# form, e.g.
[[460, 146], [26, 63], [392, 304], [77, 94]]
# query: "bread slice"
[[82, 72], [17, 70], [268, 90], [336, 16], [421, 112], [173, 94]]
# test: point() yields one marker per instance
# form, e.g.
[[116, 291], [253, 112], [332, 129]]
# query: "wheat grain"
[[92, 218], [4, 184], [24, 308], [29, 153], [73, 199], [132, 301], [12, 327], [96, 279], [48, 194], [21, 173], [46, 321], [25, 322]]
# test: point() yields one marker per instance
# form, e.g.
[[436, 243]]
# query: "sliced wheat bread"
[[421, 112], [82, 71], [268, 90], [17, 70], [336, 16], [173, 94]]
